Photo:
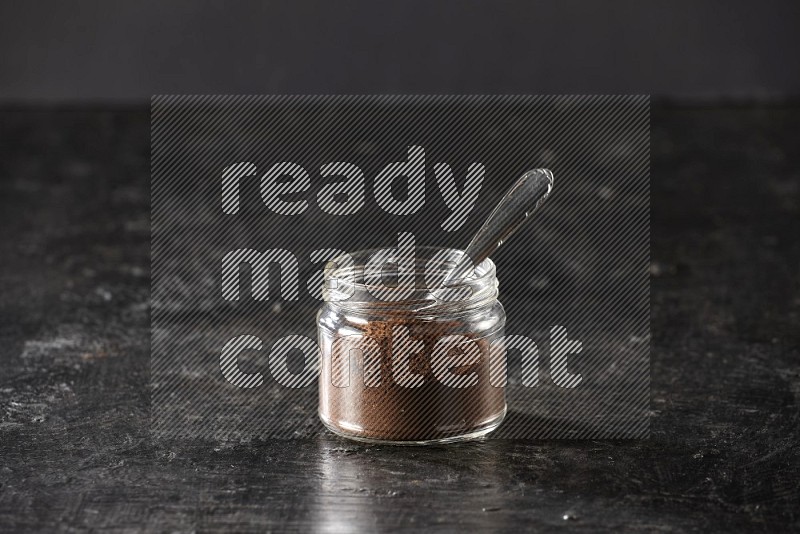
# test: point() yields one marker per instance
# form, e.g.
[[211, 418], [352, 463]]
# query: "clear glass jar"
[[411, 370]]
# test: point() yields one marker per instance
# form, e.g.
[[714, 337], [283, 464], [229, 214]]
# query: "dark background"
[[76, 452], [126, 51]]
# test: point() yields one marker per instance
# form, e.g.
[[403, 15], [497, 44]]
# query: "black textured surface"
[[74, 405]]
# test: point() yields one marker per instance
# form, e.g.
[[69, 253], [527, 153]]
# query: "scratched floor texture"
[[75, 449]]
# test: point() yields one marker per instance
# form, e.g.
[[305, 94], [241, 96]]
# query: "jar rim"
[[345, 283]]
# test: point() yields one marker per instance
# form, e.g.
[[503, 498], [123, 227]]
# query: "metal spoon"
[[518, 204]]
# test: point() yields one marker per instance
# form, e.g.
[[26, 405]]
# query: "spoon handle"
[[519, 203]]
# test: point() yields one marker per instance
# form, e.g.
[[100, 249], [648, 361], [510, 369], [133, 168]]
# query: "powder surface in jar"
[[430, 411]]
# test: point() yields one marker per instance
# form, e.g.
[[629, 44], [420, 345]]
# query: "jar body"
[[411, 378]]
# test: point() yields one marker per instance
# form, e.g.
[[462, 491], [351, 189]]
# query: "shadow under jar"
[[406, 368]]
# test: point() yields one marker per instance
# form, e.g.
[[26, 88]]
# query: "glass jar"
[[414, 369]]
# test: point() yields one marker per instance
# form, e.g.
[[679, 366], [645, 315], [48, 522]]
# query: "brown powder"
[[429, 411]]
